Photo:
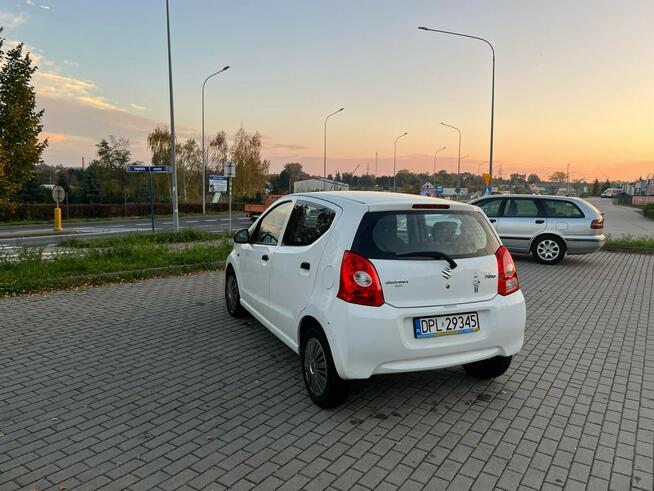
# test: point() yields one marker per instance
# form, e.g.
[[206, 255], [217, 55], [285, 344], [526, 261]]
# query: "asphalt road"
[[623, 220], [41, 235]]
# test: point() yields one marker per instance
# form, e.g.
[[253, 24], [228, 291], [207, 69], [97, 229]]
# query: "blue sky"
[[573, 78]]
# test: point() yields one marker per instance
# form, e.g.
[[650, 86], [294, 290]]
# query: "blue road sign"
[[148, 168], [487, 189], [439, 189]]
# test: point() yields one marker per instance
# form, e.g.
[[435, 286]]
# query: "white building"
[[319, 184]]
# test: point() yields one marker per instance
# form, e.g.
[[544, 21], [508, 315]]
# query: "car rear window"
[[457, 233]]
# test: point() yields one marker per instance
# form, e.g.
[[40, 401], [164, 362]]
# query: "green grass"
[[32, 273], [142, 238], [630, 243]]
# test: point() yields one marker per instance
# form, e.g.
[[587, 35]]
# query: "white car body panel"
[[371, 340]]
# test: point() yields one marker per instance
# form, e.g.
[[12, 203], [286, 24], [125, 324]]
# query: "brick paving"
[[152, 385]]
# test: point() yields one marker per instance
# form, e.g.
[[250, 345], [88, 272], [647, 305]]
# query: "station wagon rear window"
[[392, 234], [561, 209]]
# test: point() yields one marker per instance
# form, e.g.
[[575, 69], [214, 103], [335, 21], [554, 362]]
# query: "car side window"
[[491, 207], [521, 207], [308, 222], [561, 209], [270, 228]]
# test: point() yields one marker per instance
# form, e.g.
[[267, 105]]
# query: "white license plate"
[[445, 325]]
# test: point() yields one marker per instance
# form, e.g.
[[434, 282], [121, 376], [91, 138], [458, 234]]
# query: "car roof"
[[532, 196], [379, 199]]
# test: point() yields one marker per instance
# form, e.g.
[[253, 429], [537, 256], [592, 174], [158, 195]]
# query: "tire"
[[490, 368], [321, 379], [233, 296], [548, 249]]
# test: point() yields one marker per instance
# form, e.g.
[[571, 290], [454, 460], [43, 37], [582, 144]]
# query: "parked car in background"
[[548, 227], [365, 283], [611, 193]]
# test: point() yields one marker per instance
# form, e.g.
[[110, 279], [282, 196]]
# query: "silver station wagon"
[[548, 227]]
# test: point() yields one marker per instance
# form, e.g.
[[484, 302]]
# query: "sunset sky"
[[574, 80]]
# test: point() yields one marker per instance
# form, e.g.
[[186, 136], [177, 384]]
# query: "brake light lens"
[[359, 281], [506, 272], [430, 207], [597, 224]]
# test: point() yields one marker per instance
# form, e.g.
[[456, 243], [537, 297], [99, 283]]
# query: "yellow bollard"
[[57, 219]]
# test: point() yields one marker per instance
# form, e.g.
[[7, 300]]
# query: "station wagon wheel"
[[321, 379], [233, 296], [548, 250]]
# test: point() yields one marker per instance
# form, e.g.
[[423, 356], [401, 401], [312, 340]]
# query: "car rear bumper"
[[586, 244], [373, 340]]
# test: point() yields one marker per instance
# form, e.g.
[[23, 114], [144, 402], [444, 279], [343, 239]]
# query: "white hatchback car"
[[365, 283]]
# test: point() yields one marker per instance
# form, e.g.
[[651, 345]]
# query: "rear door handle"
[[492, 220], [265, 257], [540, 221], [306, 266]]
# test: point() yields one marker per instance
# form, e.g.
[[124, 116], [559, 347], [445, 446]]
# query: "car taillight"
[[359, 281], [598, 223], [506, 272]]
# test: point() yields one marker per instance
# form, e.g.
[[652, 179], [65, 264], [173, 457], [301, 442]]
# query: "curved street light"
[[435, 154], [204, 154], [324, 164], [458, 168], [490, 160], [395, 157]]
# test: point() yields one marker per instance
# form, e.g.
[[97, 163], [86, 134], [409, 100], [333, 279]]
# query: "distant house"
[[319, 184]]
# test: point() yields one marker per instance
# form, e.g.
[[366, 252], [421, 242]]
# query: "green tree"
[[111, 165], [189, 170], [291, 173], [596, 190], [251, 170], [90, 188], [20, 122], [559, 176], [218, 152], [533, 179]]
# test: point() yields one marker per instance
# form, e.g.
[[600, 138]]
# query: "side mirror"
[[242, 236]]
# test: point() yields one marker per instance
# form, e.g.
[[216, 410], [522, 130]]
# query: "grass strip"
[[631, 244], [30, 272], [142, 238]]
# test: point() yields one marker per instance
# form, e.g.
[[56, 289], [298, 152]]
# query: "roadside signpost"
[[230, 173], [150, 169], [439, 189], [58, 195], [218, 184], [487, 180]]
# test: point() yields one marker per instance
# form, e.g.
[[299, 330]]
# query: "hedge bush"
[[29, 211], [648, 211]]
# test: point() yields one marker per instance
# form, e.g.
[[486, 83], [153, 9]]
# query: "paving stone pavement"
[[151, 385]]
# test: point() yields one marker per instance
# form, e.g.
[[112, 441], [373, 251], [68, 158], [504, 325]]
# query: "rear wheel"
[[321, 379], [490, 368], [233, 296], [548, 250]]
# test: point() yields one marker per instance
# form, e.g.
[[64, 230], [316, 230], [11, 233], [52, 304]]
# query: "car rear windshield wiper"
[[433, 254]]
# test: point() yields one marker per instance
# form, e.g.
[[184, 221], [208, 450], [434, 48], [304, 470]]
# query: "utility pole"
[[172, 128], [376, 173], [568, 174]]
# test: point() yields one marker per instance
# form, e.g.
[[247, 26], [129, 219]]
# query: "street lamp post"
[[395, 157], [324, 169], [204, 154], [173, 158], [435, 154], [458, 168], [490, 160]]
